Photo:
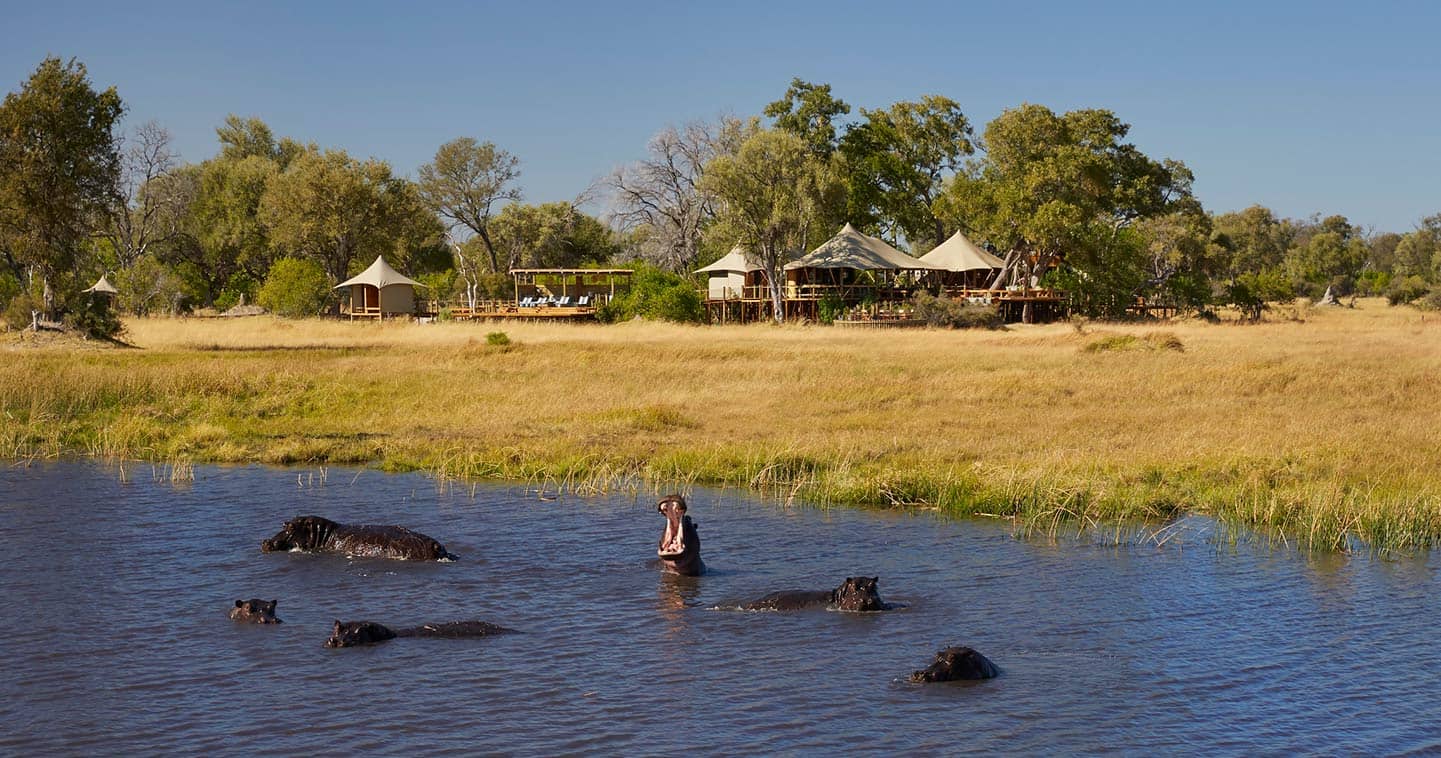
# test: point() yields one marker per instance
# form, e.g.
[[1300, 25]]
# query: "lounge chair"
[[564, 302], [583, 301], [526, 303]]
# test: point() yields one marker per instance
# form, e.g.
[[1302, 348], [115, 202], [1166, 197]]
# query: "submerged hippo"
[[956, 663], [856, 593], [679, 549], [352, 633], [254, 611], [313, 534]]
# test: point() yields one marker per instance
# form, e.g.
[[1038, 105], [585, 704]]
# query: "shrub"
[[1405, 290], [1430, 301], [655, 294], [829, 308], [1123, 342], [294, 288], [93, 316], [497, 338], [954, 314]]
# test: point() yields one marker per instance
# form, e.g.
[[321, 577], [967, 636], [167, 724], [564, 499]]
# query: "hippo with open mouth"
[[313, 534], [856, 594], [679, 548], [353, 633], [254, 611], [955, 663]]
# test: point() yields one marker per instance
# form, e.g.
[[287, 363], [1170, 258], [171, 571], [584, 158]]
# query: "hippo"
[[956, 663], [254, 611], [856, 593], [679, 549], [313, 534], [353, 633]]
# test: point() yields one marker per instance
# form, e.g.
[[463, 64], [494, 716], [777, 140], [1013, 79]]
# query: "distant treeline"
[[1062, 197]]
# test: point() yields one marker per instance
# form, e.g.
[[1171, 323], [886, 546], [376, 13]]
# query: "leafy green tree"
[[809, 111], [1054, 187], [1250, 291], [1418, 253], [552, 235], [242, 138], [897, 159], [1327, 258], [464, 183], [224, 235], [295, 288], [339, 211], [776, 199], [59, 168], [1254, 239]]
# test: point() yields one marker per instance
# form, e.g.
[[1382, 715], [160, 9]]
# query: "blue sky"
[[1304, 107]]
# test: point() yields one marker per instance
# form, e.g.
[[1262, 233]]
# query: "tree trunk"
[[489, 249], [777, 297]]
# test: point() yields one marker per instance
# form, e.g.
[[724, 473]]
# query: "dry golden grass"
[[1327, 427]]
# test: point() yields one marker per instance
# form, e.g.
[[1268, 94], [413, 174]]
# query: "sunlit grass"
[[1322, 431]]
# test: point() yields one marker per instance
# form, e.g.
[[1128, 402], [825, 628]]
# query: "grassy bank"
[[1325, 430]]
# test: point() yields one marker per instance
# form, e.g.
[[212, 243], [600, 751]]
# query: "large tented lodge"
[[866, 278]]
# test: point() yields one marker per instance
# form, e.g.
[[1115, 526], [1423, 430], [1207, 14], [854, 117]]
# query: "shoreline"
[[1320, 432]]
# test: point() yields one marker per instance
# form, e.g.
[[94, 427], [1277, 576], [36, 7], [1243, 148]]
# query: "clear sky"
[[1305, 107]]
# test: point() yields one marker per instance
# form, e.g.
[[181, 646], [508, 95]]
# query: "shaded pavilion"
[[965, 265], [379, 291]]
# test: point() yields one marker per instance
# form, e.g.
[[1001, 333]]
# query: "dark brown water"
[[116, 638]]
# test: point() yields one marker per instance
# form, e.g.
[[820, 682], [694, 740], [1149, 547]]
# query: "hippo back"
[[370, 541], [789, 600]]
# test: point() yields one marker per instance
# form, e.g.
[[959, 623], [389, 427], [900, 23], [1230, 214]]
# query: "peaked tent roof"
[[852, 249], [735, 260], [380, 274], [103, 286], [960, 254]]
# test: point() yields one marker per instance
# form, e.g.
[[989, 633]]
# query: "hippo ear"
[[272, 605], [239, 603], [337, 626]]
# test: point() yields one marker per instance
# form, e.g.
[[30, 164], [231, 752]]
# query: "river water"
[[117, 640]]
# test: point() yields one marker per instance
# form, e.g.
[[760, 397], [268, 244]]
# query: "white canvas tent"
[[960, 254], [102, 287], [381, 291], [852, 249], [727, 277]]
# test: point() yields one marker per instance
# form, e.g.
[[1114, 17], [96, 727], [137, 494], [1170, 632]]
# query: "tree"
[[660, 195], [465, 181], [224, 235], [1054, 187], [336, 210], [552, 235], [1255, 239], [898, 158], [774, 195], [58, 170], [147, 208], [809, 112], [242, 138]]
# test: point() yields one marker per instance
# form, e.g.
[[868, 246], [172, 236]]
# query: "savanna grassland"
[[1324, 430]]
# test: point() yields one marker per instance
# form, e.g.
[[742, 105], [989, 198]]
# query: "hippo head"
[[352, 633], [299, 533], [254, 611], [956, 663], [679, 548], [858, 593]]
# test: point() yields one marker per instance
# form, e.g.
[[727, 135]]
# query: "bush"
[[655, 294], [294, 288], [497, 338], [830, 308], [1405, 290], [93, 316], [1123, 342], [954, 314], [19, 312], [1430, 301]]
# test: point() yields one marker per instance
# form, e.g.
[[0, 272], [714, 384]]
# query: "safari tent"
[[728, 277], [102, 287], [379, 291], [841, 260], [964, 264]]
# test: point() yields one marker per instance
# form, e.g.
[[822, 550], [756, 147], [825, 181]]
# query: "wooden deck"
[[507, 311]]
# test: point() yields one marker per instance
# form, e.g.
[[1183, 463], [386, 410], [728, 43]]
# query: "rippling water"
[[117, 638]]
